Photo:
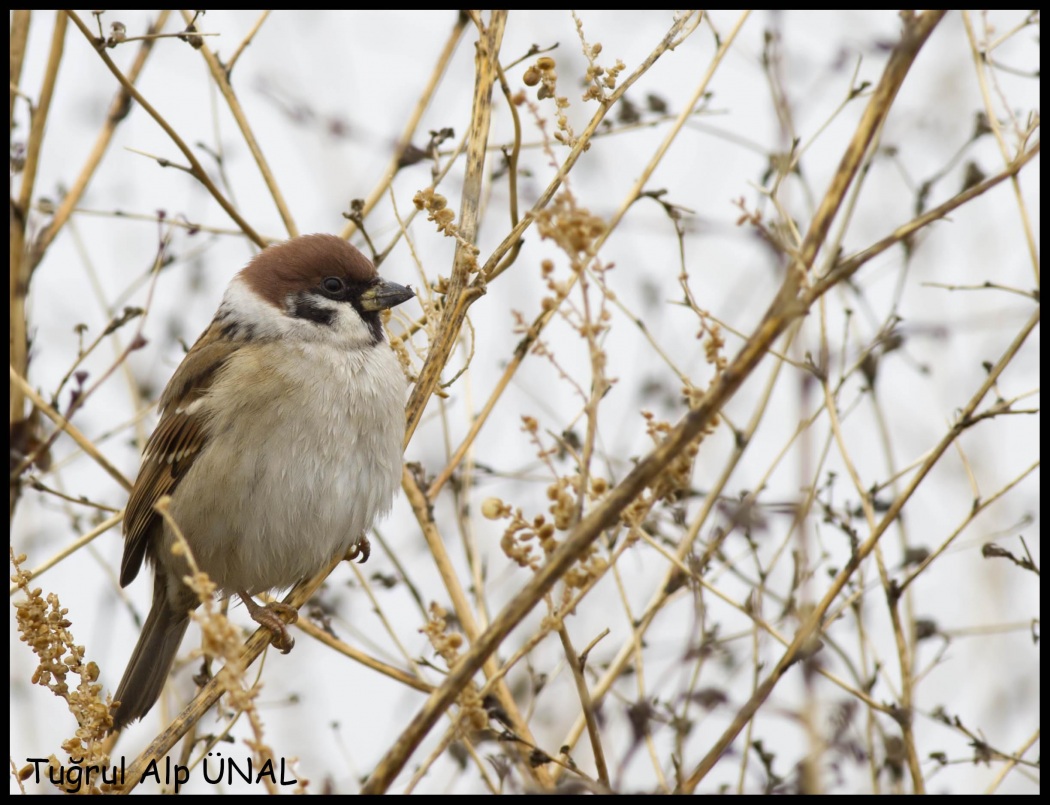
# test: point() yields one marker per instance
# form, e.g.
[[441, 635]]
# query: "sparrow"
[[279, 442]]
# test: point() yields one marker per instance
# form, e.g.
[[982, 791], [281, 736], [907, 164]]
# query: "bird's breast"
[[306, 446]]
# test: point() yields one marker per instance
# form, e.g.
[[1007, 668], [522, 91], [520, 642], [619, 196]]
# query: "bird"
[[279, 443]]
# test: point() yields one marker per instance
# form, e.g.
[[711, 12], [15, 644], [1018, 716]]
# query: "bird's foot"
[[276, 617]]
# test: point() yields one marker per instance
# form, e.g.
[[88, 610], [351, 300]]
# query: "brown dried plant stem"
[[248, 37], [395, 673], [83, 396], [18, 266], [19, 37], [221, 76], [586, 703], [496, 263], [904, 653], [980, 61], [118, 111], [196, 169], [788, 306], [845, 269], [813, 623], [65, 425], [405, 140], [460, 602], [580, 538], [71, 548], [446, 338], [458, 299], [460, 296], [23, 260], [664, 589], [213, 690], [849, 266]]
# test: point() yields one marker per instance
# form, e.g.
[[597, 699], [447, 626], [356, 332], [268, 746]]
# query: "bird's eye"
[[332, 285]]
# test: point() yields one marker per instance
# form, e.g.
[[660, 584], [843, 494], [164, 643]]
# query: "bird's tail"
[[152, 658]]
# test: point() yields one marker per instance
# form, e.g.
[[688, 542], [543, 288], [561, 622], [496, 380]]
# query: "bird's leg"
[[275, 616]]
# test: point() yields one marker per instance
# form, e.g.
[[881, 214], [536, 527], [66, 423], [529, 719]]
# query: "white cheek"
[[346, 329]]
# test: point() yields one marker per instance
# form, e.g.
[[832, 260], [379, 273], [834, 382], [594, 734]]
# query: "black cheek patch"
[[304, 306], [371, 318]]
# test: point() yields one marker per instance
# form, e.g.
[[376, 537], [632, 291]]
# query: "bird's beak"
[[385, 294]]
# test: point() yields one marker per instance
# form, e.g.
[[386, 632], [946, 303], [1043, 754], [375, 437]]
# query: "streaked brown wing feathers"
[[175, 444]]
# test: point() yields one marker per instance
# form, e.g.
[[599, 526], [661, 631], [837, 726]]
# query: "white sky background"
[[364, 71]]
